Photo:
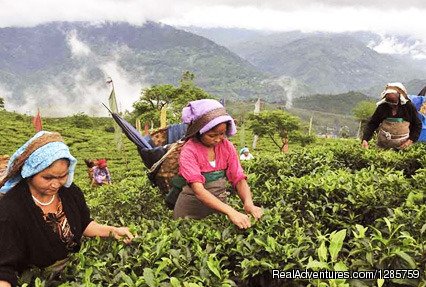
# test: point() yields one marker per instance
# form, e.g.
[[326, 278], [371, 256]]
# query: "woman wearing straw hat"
[[207, 160], [43, 215], [395, 118]]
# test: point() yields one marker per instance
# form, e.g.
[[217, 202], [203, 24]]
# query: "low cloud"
[[127, 91], [393, 45], [6, 94], [78, 48], [58, 98]]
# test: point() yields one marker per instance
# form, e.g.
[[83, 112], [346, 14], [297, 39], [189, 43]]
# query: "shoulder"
[[382, 107], [192, 142], [11, 204], [191, 146], [410, 105], [228, 147], [72, 192], [228, 144]]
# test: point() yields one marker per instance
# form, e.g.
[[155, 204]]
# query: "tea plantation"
[[329, 206]]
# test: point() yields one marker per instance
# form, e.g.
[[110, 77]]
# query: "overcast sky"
[[383, 16]]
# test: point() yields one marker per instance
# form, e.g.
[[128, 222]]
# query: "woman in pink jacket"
[[207, 161]]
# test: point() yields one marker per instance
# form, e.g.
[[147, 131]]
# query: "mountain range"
[[62, 67], [65, 64], [325, 62]]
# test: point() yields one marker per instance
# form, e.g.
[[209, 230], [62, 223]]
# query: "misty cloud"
[[126, 90], [6, 94], [78, 48], [84, 96], [392, 45]]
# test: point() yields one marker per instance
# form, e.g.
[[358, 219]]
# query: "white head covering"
[[394, 88]]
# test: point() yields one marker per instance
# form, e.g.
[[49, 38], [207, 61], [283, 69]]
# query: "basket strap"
[[163, 158]]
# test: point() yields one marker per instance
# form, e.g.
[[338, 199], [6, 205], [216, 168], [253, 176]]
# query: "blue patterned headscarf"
[[40, 159]]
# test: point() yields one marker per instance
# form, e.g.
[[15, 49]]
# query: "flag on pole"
[[138, 125], [358, 134], [310, 125], [256, 112], [163, 116], [37, 123], [114, 108], [257, 107], [112, 100]]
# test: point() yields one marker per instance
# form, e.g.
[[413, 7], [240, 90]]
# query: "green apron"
[[178, 182]]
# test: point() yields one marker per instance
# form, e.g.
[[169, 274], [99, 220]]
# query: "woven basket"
[[3, 165], [168, 166]]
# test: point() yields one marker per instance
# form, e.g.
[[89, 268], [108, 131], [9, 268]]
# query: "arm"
[[244, 193], [96, 229], [415, 123], [5, 284], [92, 228], [237, 177], [208, 199], [373, 124]]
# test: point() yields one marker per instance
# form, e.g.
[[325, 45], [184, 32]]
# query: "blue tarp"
[[418, 102], [148, 152]]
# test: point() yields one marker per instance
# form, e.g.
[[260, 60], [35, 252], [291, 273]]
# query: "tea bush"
[[328, 206]]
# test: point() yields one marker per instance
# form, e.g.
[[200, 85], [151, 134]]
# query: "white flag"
[[256, 112]]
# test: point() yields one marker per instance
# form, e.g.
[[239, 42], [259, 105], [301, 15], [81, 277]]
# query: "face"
[[246, 153], [214, 136], [392, 99], [50, 180]]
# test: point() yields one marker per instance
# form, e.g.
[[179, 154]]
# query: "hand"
[[120, 232], [364, 144], [406, 144], [254, 210], [239, 219]]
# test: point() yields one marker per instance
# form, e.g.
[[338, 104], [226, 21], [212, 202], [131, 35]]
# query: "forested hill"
[[72, 59], [335, 104]]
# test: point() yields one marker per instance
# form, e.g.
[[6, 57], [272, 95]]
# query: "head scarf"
[[102, 163], [394, 88], [243, 150], [37, 154], [203, 115]]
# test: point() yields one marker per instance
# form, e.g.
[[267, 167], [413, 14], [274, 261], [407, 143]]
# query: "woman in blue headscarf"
[[43, 215]]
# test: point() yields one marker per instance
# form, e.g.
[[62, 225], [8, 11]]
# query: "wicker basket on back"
[[3, 165], [168, 166]]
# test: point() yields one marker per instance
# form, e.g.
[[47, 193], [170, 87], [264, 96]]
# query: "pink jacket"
[[193, 161]]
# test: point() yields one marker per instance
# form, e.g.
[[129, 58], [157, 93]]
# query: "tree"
[[277, 122], [153, 99], [1, 103], [364, 110], [81, 120]]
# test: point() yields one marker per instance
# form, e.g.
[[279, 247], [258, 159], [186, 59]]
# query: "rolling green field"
[[329, 206]]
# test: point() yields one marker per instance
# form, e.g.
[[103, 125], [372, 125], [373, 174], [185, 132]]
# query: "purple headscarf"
[[203, 115]]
